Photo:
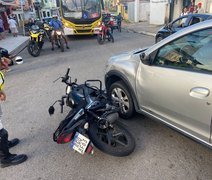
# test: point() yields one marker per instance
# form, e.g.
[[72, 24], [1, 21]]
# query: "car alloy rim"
[[118, 95]]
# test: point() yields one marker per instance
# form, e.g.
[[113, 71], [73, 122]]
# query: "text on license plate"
[[79, 143]]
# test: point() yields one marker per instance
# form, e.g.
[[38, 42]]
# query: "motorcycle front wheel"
[[61, 44], [34, 49], [116, 140], [100, 39]]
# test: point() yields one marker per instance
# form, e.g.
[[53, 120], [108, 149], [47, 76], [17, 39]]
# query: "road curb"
[[141, 32]]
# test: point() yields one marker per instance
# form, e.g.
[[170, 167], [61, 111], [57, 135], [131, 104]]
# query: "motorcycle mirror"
[[51, 110]]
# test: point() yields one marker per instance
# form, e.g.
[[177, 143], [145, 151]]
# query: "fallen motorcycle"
[[92, 120], [36, 40]]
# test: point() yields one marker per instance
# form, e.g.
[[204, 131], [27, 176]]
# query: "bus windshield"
[[81, 9]]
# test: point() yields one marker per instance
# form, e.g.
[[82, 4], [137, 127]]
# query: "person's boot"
[[13, 142], [52, 48], [13, 159]]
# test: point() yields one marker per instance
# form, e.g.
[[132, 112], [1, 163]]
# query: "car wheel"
[[119, 93], [159, 38]]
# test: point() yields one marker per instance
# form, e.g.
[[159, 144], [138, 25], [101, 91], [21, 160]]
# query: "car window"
[[179, 23], [195, 20], [190, 52]]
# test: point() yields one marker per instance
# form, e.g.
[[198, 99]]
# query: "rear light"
[[64, 138], [89, 149]]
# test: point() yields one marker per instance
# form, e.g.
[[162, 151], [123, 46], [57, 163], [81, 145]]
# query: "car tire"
[[118, 92]]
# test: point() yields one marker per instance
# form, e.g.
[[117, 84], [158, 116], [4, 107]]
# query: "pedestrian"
[[13, 26], [185, 11], [1, 29], [200, 10], [195, 9], [6, 158]]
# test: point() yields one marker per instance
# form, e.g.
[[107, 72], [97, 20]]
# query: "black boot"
[[13, 159], [13, 142]]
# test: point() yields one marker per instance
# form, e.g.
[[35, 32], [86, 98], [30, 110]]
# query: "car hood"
[[126, 56]]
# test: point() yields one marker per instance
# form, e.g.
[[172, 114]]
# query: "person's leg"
[[6, 158], [53, 38], [65, 39]]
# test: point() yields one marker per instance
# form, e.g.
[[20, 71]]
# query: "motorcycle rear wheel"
[[34, 49], [116, 141]]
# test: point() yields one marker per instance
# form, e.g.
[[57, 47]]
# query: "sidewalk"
[[14, 44], [142, 28]]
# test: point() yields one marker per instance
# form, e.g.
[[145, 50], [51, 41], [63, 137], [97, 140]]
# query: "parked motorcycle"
[[36, 40], [59, 41], [104, 33], [92, 120]]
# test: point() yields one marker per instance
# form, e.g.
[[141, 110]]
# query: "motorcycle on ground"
[[36, 40], [105, 32], [92, 120]]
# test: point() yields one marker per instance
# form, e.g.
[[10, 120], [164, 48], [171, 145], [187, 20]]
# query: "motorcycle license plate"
[[80, 143]]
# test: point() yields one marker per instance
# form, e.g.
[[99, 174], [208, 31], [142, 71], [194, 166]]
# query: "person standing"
[[200, 10], [6, 158], [1, 29], [13, 27], [185, 11]]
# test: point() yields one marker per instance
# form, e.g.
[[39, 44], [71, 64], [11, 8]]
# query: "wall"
[[158, 10], [131, 14], [144, 11]]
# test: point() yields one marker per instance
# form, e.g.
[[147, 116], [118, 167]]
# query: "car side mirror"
[[145, 59]]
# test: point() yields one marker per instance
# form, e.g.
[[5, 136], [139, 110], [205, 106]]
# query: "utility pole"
[[22, 11]]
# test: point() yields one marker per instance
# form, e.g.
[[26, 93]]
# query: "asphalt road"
[[161, 153]]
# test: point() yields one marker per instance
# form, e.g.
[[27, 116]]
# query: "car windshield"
[[84, 9]]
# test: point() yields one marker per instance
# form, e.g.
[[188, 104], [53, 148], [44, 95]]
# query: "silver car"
[[170, 81]]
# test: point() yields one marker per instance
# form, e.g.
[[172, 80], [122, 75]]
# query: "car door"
[[177, 87]]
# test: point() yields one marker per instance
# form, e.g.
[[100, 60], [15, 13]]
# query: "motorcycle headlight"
[[70, 101], [68, 89], [59, 33], [100, 28], [99, 23], [34, 32]]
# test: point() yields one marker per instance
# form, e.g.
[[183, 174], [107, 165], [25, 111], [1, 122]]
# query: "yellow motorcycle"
[[36, 40]]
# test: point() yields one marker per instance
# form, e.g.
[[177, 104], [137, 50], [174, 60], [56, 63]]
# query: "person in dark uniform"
[[6, 158]]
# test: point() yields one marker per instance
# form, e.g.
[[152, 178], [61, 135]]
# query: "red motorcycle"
[[105, 32]]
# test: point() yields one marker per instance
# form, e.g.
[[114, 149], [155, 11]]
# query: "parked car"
[[170, 81], [180, 23]]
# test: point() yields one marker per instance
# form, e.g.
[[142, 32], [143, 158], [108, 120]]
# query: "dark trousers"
[[4, 149]]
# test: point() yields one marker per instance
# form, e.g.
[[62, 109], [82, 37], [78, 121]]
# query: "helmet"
[[19, 60], [4, 52]]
